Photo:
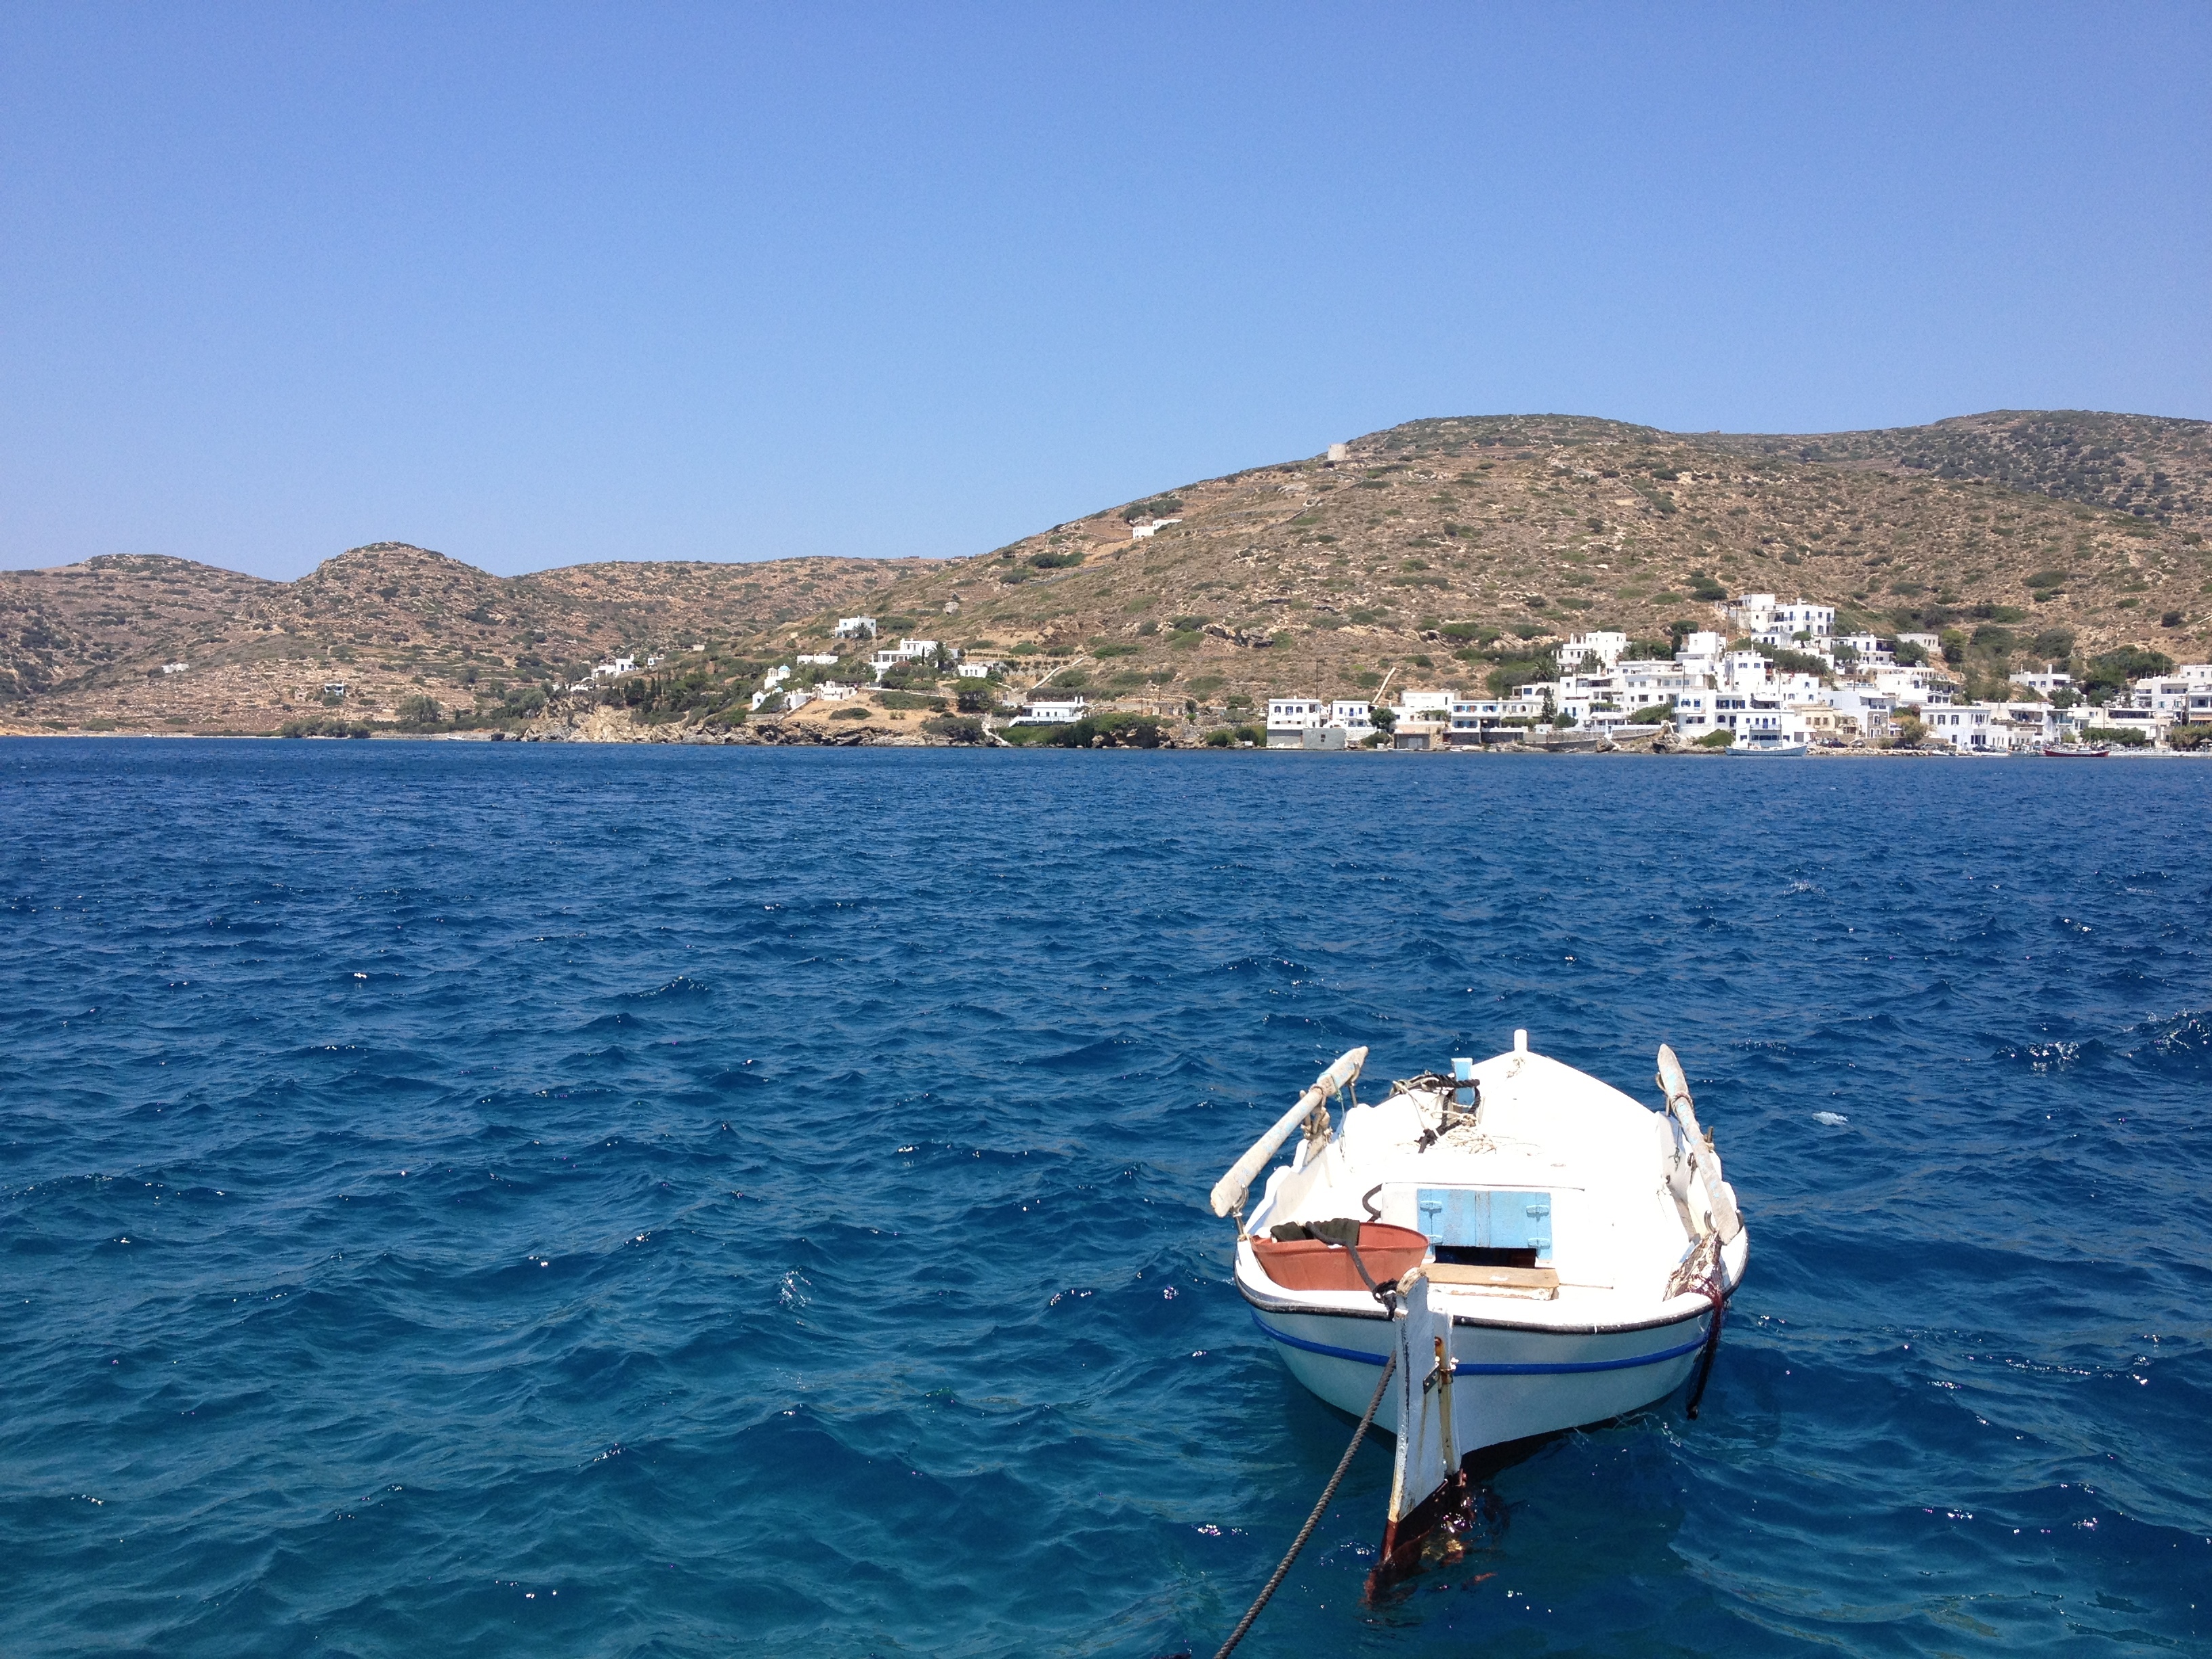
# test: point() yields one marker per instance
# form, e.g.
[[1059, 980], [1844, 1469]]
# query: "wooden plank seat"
[[1542, 1282]]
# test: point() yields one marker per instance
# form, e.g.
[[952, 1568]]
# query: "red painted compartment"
[[1307, 1264]]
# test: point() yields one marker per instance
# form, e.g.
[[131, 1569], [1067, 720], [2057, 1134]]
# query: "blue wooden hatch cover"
[[1487, 1217]]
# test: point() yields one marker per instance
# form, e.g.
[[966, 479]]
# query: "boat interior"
[[1534, 1194]]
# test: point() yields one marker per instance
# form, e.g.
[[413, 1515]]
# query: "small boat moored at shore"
[[1764, 743], [2076, 751]]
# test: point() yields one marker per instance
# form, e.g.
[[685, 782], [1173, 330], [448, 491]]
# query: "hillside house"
[[856, 627], [1605, 649], [905, 651], [1053, 708], [1868, 649]]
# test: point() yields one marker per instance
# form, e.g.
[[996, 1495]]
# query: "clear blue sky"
[[539, 285]]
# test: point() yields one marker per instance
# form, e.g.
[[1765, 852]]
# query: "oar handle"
[[1229, 1192]]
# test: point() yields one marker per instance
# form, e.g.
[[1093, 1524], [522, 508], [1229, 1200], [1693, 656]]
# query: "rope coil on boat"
[[1313, 1520]]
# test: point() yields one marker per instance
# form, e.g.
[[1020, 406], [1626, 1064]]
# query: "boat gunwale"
[[1258, 1301]]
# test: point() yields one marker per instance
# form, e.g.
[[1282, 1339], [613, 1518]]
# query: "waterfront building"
[[2171, 697], [1288, 718], [1055, 708], [1866, 709], [1472, 719], [1966, 726]]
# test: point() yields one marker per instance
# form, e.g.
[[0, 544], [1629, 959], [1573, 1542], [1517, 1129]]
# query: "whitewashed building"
[[905, 651], [1750, 613], [1868, 649], [1289, 718], [1965, 726], [1055, 708], [1354, 715], [2052, 678], [2170, 698], [1744, 670], [1603, 648], [856, 627], [1801, 620], [1868, 711]]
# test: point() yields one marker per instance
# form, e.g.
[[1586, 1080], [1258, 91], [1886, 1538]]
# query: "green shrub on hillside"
[[1108, 731], [2110, 670], [323, 725]]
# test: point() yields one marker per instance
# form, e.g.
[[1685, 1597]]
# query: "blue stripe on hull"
[[1465, 1367]]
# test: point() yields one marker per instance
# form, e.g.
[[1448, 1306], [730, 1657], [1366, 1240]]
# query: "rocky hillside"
[[86, 645], [1439, 552], [1451, 552], [2145, 466]]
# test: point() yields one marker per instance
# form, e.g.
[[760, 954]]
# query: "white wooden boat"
[[1573, 1248], [1764, 743]]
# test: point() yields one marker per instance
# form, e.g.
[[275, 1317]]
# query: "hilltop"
[[1440, 551]]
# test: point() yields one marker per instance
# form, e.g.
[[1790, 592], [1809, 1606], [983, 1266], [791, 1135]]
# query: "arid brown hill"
[[1439, 552], [88, 646], [1492, 538]]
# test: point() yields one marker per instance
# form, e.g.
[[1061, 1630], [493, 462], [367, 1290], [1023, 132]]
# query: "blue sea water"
[[504, 1199]]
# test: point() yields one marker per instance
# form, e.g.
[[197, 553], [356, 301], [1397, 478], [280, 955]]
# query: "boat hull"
[[1512, 1382]]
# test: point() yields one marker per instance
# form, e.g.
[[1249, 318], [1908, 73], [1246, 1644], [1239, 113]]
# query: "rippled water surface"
[[489, 1199]]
